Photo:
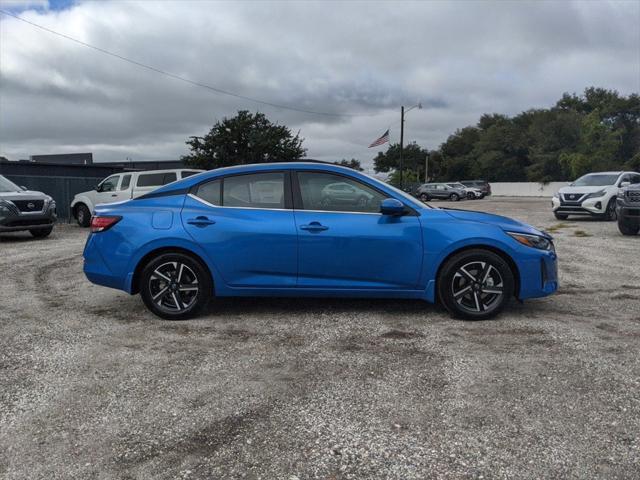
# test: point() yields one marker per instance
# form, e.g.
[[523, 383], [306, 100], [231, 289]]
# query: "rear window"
[[156, 179]]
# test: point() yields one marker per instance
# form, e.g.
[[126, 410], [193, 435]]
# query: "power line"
[[178, 77]]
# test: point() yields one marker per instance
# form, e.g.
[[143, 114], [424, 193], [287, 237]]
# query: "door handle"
[[200, 221], [114, 194], [314, 227]]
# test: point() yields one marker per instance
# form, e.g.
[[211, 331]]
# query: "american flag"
[[383, 139]]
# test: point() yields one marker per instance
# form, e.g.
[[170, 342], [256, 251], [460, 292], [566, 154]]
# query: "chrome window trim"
[[203, 201]]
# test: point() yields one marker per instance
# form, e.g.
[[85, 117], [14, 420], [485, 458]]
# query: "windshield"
[[596, 180], [8, 186]]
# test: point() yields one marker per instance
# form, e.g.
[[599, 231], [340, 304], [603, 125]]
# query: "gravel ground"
[[93, 386]]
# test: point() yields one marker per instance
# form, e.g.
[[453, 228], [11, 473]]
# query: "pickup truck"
[[628, 209], [121, 187]]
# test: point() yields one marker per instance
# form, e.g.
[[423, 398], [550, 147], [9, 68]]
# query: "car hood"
[[583, 190], [23, 195], [505, 223]]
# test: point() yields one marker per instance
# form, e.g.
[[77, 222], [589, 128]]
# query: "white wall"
[[525, 189]]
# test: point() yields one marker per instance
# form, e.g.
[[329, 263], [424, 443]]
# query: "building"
[[64, 158]]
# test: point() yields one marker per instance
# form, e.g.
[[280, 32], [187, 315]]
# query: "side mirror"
[[391, 206], [624, 184], [96, 188]]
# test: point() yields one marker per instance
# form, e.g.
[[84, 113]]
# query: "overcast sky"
[[460, 59]]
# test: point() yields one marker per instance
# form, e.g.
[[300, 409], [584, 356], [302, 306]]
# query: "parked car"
[[344, 194], [482, 185], [472, 193], [593, 194], [123, 186], [442, 191], [25, 210], [628, 209], [262, 230]]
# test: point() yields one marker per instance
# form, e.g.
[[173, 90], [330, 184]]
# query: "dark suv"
[[482, 185], [628, 209], [22, 210]]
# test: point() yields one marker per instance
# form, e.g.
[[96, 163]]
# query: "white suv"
[[593, 194], [123, 186]]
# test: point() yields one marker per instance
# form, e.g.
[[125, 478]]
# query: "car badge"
[[31, 205]]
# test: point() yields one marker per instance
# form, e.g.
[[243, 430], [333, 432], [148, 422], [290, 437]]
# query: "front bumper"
[[588, 207], [28, 221], [538, 275], [627, 211]]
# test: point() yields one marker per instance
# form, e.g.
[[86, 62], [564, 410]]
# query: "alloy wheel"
[[173, 287], [477, 287]]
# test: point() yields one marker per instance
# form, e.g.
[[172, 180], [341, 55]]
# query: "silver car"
[[443, 191], [25, 210]]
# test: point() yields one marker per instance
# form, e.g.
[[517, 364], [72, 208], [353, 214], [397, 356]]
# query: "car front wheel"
[[424, 197], [175, 286], [611, 213], [475, 284], [628, 228], [41, 232]]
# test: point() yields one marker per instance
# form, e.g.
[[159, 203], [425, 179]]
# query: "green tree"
[[243, 139], [353, 163]]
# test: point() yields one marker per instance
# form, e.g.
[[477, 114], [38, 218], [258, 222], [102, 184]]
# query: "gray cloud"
[[459, 59]]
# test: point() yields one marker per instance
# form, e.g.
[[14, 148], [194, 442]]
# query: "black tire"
[[83, 215], [424, 197], [483, 297], [471, 196], [186, 284], [454, 197], [41, 232], [561, 216], [628, 228], [611, 214]]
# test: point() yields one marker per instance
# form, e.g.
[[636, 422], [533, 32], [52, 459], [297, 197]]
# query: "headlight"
[[533, 241], [5, 211], [556, 195], [596, 194]]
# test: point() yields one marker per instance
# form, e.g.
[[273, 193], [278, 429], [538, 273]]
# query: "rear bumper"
[[96, 269]]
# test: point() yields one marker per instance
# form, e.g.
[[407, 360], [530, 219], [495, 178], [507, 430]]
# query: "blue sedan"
[[311, 229]]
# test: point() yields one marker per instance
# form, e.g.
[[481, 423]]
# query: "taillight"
[[102, 223]]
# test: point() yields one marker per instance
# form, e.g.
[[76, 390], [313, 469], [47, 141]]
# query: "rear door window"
[[210, 192], [258, 190]]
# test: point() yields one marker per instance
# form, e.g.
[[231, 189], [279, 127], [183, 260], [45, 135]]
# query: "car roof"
[[188, 182]]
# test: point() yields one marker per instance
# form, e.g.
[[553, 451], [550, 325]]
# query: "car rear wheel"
[[454, 197], [628, 228], [561, 216], [175, 286], [424, 197], [475, 284], [83, 215], [41, 232]]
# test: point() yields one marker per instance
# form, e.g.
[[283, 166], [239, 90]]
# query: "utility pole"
[[426, 168], [401, 144], [419, 105]]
